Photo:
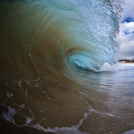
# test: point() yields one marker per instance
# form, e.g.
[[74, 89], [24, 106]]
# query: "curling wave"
[[54, 55], [75, 34]]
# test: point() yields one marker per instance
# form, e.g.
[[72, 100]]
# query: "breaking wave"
[[56, 57]]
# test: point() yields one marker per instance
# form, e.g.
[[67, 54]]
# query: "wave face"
[[77, 34], [51, 54]]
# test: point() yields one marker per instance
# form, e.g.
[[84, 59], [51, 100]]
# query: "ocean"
[[59, 71]]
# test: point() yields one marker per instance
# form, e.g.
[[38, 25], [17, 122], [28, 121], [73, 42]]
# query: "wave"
[[77, 35], [51, 52]]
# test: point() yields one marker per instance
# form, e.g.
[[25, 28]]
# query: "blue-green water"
[[59, 71]]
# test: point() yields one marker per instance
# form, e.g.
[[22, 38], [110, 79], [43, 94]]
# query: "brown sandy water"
[[41, 92]]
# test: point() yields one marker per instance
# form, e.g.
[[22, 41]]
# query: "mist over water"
[[59, 71]]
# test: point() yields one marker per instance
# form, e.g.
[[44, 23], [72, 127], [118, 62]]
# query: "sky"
[[126, 34]]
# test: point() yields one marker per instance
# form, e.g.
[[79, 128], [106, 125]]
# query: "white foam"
[[20, 83], [58, 130], [9, 115], [116, 67], [21, 106], [26, 93], [82, 120], [74, 129], [95, 111], [9, 95], [29, 120], [129, 132], [108, 67], [83, 94], [125, 66], [36, 85]]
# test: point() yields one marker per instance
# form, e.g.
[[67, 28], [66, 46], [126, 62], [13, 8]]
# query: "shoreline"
[[126, 61]]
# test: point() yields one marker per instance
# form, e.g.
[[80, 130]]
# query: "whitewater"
[[59, 71]]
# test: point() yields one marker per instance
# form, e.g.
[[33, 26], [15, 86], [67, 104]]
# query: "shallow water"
[[67, 107], [58, 72]]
